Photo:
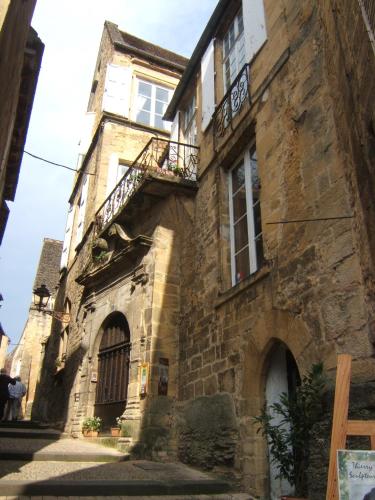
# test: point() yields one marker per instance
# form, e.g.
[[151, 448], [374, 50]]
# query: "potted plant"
[[289, 439], [115, 431], [91, 426]]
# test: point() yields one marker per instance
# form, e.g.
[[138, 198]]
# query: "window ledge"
[[246, 283]]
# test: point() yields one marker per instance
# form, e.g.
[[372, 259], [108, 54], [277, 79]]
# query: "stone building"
[[27, 357], [22, 52], [113, 270], [225, 263]]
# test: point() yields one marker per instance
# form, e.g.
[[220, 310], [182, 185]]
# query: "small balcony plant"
[[91, 426], [115, 431]]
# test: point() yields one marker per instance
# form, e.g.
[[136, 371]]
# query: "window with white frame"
[[234, 54], [152, 102], [245, 217]]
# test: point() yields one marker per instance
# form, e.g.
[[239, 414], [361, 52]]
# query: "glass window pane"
[[162, 94], [144, 103], [257, 219], [238, 177], [241, 238], [159, 123], [259, 250], [239, 204], [242, 264], [240, 22], [143, 117], [160, 107], [144, 89]]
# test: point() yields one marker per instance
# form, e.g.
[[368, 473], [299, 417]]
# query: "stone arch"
[[281, 374], [110, 357]]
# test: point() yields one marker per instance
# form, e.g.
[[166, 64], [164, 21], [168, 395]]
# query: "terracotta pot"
[[115, 431], [92, 434]]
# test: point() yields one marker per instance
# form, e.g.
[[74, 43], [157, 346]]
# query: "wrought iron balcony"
[[231, 103], [160, 159]]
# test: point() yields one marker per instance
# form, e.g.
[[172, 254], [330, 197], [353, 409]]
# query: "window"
[[152, 102], [245, 217], [82, 209], [234, 55], [190, 125]]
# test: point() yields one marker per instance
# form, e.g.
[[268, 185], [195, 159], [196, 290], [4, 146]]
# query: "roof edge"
[[195, 58]]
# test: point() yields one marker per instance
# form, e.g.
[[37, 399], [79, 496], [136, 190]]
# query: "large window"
[[245, 218], [234, 56], [152, 102]]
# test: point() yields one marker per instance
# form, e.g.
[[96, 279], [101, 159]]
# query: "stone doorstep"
[[32, 434], [109, 488], [63, 457]]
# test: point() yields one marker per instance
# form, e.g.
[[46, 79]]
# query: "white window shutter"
[[254, 26], [116, 98], [67, 238], [86, 132], [82, 209], [208, 85]]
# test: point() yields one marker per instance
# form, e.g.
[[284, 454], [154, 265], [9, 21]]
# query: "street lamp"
[[41, 297]]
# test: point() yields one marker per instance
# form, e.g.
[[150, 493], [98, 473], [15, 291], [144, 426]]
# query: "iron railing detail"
[[159, 157], [232, 102]]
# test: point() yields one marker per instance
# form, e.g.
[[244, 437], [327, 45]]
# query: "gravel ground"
[[134, 470], [66, 445]]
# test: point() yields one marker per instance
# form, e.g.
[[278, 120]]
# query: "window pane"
[[160, 107], [238, 177], [143, 117], [240, 22], [144, 89], [239, 204], [162, 94], [257, 219], [159, 122], [144, 103], [240, 234], [242, 264], [259, 250]]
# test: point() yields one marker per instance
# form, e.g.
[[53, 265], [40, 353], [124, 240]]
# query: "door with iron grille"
[[113, 369]]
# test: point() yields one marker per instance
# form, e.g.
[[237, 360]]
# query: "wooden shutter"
[[254, 26], [116, 96], [86, 132], [208, 85], [67, 238]]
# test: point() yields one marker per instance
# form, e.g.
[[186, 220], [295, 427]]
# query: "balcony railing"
[[231, 103], [160, 158]]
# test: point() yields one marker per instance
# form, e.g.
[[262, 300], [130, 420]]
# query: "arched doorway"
[[113, 369], [282, 376]]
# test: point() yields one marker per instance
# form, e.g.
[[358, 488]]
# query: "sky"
[[71, 32]]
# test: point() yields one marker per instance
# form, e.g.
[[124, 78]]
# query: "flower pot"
[[92, 434], [115, 431]]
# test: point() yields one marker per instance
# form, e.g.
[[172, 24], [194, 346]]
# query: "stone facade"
[[134, 279], [292, 137], [22, 52], [27, 358]]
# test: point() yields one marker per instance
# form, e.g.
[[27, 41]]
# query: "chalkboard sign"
[[356, 474]]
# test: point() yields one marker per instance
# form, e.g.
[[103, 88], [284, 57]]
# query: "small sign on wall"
[[143, 379], [356, 474], [163, 376], [94, 376]]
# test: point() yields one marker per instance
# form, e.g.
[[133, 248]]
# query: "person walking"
[[5, 380], [16, 393]]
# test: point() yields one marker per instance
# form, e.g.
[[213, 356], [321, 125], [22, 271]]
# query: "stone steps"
[[43, 462]]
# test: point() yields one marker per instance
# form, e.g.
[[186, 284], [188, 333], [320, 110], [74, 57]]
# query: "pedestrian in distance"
[[16, 393], [5, 380]]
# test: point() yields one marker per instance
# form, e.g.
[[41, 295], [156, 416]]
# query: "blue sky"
[[71, 31]]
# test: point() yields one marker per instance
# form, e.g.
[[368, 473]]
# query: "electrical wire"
[[53, 163], [311, 220]]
